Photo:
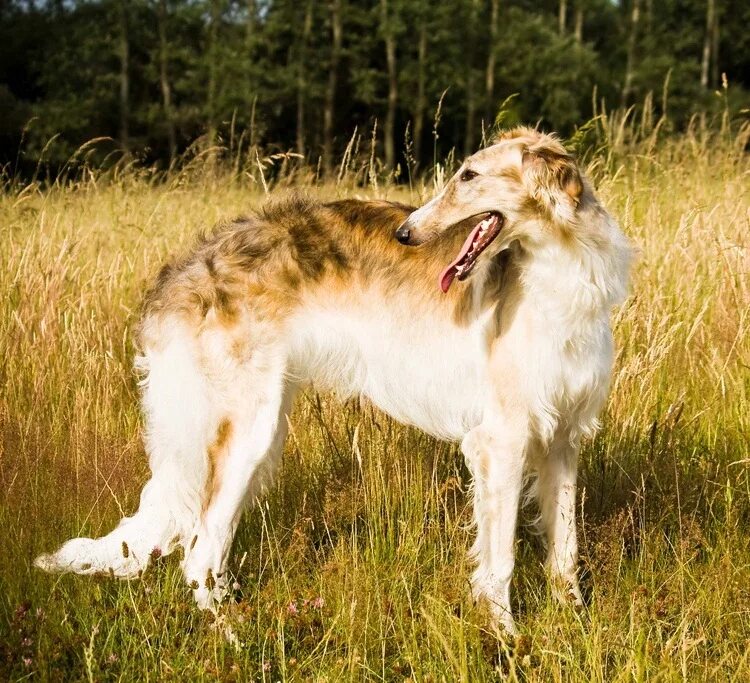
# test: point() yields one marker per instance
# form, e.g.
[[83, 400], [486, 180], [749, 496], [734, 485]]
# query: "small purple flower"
[[291, 609], [27, 642], [112, 658], [27, 662], [318, 602], [266, 666]]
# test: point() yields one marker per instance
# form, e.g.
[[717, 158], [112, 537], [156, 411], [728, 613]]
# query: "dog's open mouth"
[[478, 240]]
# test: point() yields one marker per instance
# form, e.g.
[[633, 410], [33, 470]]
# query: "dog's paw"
[[94, 556], [497, 606], [503, 621], [75, 556], [210, 592], [46, 562], [566, 592]]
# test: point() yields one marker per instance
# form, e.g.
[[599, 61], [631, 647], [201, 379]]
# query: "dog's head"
[[524, 187]]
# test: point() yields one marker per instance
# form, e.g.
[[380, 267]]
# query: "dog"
[[491, 328]]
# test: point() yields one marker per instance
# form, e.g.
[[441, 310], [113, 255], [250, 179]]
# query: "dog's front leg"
[[496, 452], [557, 498]]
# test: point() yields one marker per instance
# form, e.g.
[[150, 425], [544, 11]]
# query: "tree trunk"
[[489, 77], [707, 42], [471, 99], [715, 51], [578, 27], [252, 12], [166, 90], [390, 58], [330, 99], [213, 72], [627, 86], [301, 69], [562, 14], [418, 128], [124, 53]]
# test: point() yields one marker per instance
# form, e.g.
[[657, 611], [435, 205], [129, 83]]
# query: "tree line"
[[417, 77]]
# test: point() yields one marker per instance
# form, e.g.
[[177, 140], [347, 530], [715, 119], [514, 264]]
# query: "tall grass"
[[354, 566]]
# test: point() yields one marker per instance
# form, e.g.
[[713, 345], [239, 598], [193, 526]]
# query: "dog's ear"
[[552, 178]]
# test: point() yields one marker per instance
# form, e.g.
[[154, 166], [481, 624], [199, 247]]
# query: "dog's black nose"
[[403, 234]]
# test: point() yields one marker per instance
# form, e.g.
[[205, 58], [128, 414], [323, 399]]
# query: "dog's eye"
[[468, 175]]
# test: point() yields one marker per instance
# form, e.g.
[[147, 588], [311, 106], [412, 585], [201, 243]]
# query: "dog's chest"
[[568, 371], [562, 325]]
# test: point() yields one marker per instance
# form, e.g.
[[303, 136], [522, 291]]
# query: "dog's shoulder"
[[369, 215]]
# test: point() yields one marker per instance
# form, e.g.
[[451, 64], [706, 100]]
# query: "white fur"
[[422, 372]]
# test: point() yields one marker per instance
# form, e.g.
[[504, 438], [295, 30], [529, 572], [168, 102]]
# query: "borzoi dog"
[[491, 329]]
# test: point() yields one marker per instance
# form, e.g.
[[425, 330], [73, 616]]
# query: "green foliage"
[[247, 70], [553, 75]]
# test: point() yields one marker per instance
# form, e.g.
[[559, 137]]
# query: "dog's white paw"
[[566, 591], [210, 592], [94, 556], [503, 620], [497, 599], [77, 555]]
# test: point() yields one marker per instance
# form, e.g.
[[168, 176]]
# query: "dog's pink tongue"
[[446, 278], [450, 272]]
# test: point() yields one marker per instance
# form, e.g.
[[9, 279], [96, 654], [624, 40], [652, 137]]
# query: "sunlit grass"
[[354, 566]]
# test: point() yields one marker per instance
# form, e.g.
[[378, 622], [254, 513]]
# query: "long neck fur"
[[575, 281]]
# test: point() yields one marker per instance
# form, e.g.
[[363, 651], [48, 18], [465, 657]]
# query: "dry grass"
[[354, 567]]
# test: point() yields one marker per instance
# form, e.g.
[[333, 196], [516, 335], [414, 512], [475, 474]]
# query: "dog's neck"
[[567, 285]]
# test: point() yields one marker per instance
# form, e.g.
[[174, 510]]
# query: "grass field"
[[354, 567]]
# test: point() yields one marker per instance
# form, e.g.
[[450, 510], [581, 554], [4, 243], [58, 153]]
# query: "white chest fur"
[[569, 346]]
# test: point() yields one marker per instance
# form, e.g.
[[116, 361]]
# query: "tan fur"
[[293, 249], [216, 458]]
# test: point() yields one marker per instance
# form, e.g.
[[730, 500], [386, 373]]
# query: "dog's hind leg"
[[181, 412], [244, 457]]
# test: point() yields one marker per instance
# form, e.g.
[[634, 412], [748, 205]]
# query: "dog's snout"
[[403, 234]]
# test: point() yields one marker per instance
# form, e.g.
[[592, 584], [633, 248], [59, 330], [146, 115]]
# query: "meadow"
[[353, 566]]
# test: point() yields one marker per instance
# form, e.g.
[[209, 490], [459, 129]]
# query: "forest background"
[[156, 79]]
